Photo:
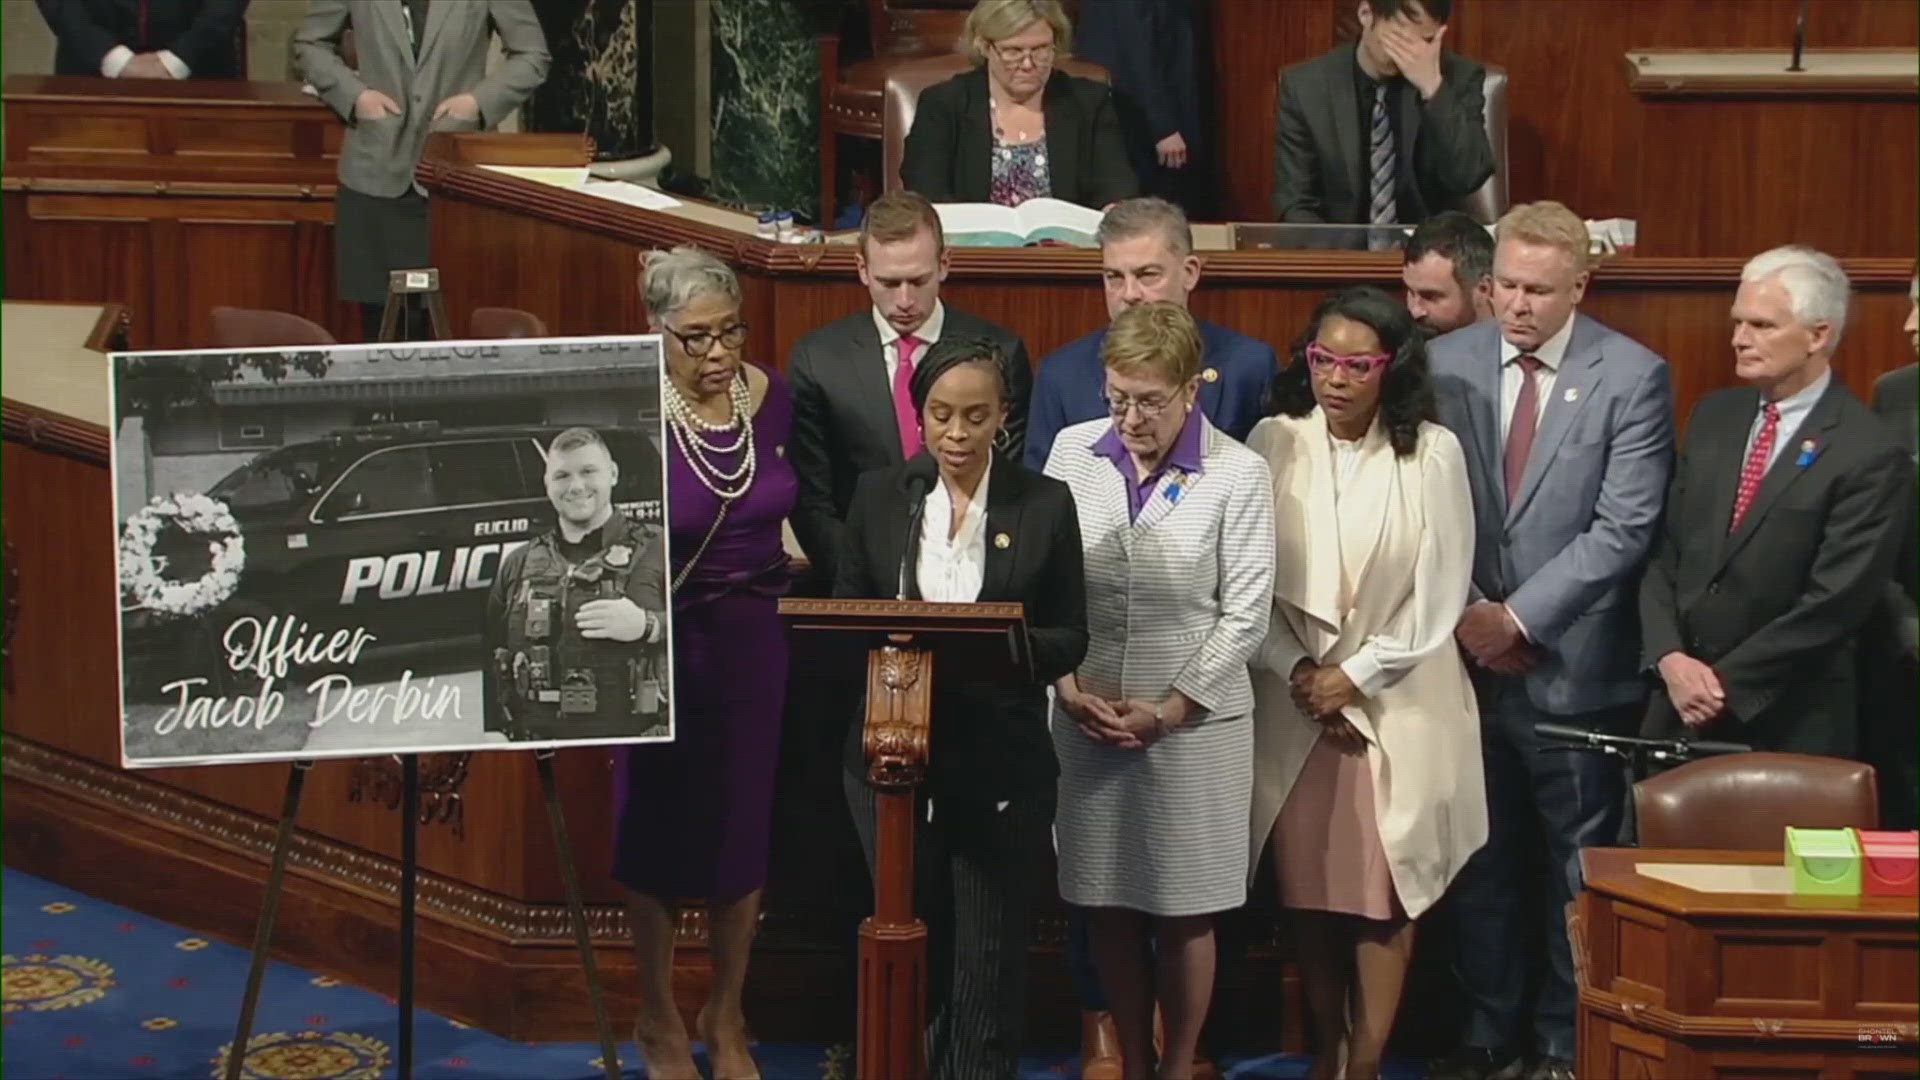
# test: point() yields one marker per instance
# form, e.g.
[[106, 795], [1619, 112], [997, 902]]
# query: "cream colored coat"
[[1401, 539]]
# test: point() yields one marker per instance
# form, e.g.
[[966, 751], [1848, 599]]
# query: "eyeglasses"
[[700, 342], [1359, 366], [1149, 408], [1012, 55]]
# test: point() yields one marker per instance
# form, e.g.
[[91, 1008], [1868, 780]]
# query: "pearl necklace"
[[692, 434]]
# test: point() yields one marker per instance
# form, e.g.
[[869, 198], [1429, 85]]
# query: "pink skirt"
[[1327, 842]]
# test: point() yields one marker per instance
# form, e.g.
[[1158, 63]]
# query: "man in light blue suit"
[[1146, 254], [1568, 431]]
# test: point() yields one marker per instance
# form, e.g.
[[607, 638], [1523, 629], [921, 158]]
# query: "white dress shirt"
[[1793, 413], [112, 64], [928, 333], [950, 570], [1550, 353]]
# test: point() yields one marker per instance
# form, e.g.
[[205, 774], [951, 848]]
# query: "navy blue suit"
[[1235, 373]]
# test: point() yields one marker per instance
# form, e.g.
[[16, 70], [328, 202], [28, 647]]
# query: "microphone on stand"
[[1799, 38], [921, 476]]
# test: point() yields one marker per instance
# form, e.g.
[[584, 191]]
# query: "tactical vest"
[[558, 684]]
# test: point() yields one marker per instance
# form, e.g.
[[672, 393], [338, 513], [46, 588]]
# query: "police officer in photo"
[[576, 630]]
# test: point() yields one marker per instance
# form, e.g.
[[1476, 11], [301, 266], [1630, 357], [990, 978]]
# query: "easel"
[[400, 285]]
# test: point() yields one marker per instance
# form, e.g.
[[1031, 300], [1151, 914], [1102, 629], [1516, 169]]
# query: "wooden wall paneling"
[[248, 264], [1781, 171], [1252, 40], [1575, 129], [59, 519], [79, 256]]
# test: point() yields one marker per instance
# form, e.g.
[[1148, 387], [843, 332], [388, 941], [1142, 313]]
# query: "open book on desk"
[[1033, 221]]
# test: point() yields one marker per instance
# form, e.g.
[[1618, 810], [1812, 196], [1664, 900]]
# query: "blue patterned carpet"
[[97, 992]]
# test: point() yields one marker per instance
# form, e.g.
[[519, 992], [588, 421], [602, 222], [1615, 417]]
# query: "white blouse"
[[950, 571]]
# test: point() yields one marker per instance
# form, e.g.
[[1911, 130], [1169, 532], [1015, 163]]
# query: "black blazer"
[[1319, 172], [989, 742], [843, 421], [200, 32], [949, 152], [1776, 606]]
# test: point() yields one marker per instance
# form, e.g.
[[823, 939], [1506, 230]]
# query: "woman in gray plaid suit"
[[1152, 732]]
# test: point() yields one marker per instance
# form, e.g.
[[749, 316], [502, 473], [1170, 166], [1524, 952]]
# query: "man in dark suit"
[[1146, 254], [1147, 47], [1567, 425], [1447, 268], [851, 410], [1786, 511], [1890, 673], [1389, 129], [146, 39]]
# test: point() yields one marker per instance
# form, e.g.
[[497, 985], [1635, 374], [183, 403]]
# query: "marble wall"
[[766, 104], [598, 82]]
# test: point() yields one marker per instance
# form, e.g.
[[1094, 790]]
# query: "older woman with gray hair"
[[1016, 127], [696, 813]]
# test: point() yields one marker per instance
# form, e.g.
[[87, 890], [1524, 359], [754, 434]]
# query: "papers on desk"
[[1708, 878], [575, 178], [992, 225]]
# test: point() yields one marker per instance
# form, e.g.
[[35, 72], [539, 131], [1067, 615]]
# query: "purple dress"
[[695, 813]]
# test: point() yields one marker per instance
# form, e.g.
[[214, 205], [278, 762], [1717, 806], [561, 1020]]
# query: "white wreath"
[[142, 573]]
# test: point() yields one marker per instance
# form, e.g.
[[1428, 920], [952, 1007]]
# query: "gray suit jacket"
[[378, 156], [1567, 555], [1443, 151]]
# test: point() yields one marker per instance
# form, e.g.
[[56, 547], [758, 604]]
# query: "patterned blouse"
[[1020, 171]]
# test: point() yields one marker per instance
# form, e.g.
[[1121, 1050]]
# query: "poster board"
[[354, 550]]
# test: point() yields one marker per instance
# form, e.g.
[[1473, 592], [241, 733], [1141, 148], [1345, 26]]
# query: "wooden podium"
[[1680, 981], [979, 642]]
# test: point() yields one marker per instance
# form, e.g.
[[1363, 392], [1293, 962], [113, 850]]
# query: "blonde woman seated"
[[1015, 127], [1367, 773]]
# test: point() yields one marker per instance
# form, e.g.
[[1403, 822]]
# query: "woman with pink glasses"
[[1367, 767]]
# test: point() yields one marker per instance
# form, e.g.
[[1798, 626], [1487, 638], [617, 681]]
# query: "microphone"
[[921, 476]]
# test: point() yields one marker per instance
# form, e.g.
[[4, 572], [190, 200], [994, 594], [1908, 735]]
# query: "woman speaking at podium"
[[956, 523]]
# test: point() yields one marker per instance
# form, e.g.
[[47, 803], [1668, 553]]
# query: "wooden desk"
[[1694, 985], [1732, 145], [171, 198], [572, 260]]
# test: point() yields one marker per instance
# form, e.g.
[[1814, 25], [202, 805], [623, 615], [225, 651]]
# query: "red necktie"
[[1524, 425], [903, 413], [1755, 470]]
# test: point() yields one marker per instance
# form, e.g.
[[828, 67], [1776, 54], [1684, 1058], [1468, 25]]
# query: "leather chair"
[[905, 80], [246, 328], [495, 323], [851, 94], [1487, 204], [1743, 802]]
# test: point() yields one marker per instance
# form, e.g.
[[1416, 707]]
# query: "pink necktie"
[[1755, 470], [903, 413]]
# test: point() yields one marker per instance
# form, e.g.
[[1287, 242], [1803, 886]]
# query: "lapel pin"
[[1002, 541], [1808, 450], [1573, 393], [1211, 374], [780, 450]]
